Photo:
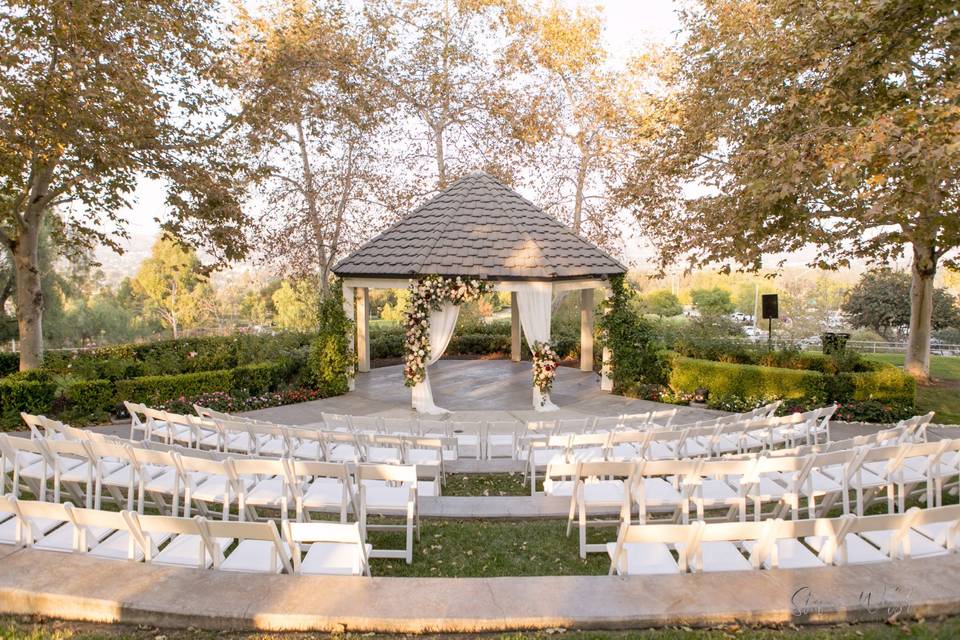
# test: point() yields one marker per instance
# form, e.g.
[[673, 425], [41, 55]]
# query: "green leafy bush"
[[86, 398], [257, 378], [154, 390], [9, 363], [30, 395], [727, 380]]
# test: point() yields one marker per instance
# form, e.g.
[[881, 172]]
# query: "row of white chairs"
[[770, 486], [307, 548], [707, 441], [177, 482], [786, 544], [363, 438]]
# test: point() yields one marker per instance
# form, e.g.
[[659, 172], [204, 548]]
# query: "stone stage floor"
[[498, 389]]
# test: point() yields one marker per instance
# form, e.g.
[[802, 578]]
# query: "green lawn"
[[943, 396], [945, 368], [20, 628]]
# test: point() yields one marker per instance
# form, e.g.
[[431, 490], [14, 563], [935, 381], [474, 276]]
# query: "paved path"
[[80, 587]]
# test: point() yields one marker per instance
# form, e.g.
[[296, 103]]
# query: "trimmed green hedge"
[[32, 396], [726, 380]]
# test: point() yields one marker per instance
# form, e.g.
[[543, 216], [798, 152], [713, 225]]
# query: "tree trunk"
[[25, 250], [917, 360]]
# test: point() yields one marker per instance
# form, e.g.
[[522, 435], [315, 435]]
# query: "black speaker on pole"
[[770, 313], [770, 306]]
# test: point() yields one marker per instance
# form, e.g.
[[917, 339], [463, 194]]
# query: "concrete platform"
[[79, 587], [471, 388]]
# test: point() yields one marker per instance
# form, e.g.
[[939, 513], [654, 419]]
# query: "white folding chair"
[[334, 548]]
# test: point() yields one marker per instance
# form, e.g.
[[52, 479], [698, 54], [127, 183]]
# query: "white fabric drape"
[[535, 304], [442, 325]]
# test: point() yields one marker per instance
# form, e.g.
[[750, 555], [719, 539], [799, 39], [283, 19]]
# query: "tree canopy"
[[881, 301], [831, 124]]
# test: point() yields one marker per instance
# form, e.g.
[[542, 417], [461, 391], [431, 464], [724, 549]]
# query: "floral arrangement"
[[545, 361], [426, 295]]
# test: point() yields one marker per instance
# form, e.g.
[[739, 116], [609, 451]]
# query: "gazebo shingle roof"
[[479, 227]]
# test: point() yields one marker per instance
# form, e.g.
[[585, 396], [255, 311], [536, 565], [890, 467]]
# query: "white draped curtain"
[[442, 325], [535, 304]]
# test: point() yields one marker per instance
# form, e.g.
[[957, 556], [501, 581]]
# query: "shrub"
[[9, 363], [87, 398], [888, 385], [16, 395], [257, 378], [155, 390], [726, 381], [387, 345], [479, 344]]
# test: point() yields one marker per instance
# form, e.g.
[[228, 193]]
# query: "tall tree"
[[442, 63], [833, 123], [93, 95], [580, 138], [173, 285], [881, 301], [316, 130]]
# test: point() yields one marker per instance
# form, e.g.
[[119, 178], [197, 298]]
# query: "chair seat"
[[859, 551], [622, 452], [80, 472], [124, 475], [267, 493], [717, 491], [24, 459], [272, 446], [553, 487], [343, 453], [214, 489], [603, 492], [791, 554], [920, 545], [164, 482], [938, 532], [645, 558], [308, 450], [695, 447], [253, 556], [40, 526], [660, 451], [427, 489], [721, 555], [658, 491], [185, 551], [117, 546], [40, 470], [380, 496], [384, 455], [324, 492], [333, 558], [61, 538], [430, 456]]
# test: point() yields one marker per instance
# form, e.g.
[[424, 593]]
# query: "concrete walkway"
[[79, 587]]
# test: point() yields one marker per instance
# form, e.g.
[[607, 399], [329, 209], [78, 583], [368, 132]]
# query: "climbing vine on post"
[[332, 361], [636, 358]]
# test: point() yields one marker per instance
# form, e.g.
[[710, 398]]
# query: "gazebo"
[[478, 228]]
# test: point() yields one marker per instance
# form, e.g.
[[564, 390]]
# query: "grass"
[[943, 395], [486, 484], [22, 628], [945, 368], [470, 548]]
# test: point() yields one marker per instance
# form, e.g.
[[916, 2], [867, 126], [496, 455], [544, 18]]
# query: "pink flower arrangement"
[[545, 363], [430, 294]]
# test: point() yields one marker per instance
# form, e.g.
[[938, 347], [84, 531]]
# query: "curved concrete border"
[[83, 588]]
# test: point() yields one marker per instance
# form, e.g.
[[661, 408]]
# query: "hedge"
[[173, 357], [726, 380], [31, 396]]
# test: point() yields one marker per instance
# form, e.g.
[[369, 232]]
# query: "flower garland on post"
[[430, 294], [545, 362]]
